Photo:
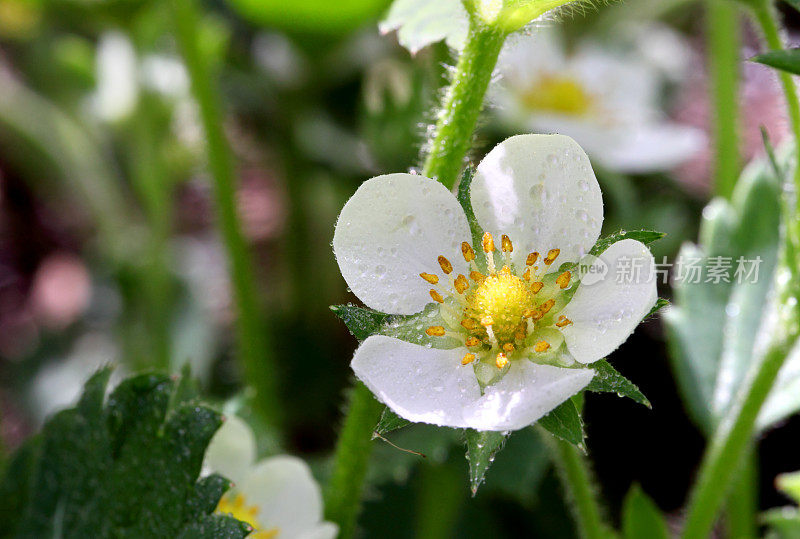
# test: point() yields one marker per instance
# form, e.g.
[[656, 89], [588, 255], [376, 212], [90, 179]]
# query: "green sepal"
[[641, 518], [363, 323], [482, 446], [660, 304], [784, 60], [645, 236], [389, 422], [565, 422], [608, 380]]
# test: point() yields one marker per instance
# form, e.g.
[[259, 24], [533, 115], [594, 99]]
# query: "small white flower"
[[608, 100], [278, 496], [506, 340]]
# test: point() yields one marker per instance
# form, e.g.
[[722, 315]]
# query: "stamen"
[[492, 338], [508, 247], [435, 331], [433, 279], [501, 360], [468, 358], [563, 321], [541, 346], [469, 324], [527, 274], [506, 270], [488, 248], [508, 347], [532, 258], [437, 297], [536, 286], [547, 305], [445, 264], [533, 314], [487, 321], [468, 252], [563, 280], [552, 254], [461, 284], [472, 341], [476, 276]]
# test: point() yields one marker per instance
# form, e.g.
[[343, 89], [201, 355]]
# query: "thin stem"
[[345, 487], [576, 476], [463, 102], [723, 31], [742, 504], [253, 339], [726, 449]]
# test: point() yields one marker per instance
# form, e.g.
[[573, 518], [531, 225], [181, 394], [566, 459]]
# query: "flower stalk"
[[463, 102], [251, 330]]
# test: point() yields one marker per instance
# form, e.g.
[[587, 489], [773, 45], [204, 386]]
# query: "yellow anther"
[[468, 358], [505, 242], [501, 361], [435, 331], [467, 251], [563, 280], [541, 346], [508, 347], [461, 284], [532, 258], [488, 242], [445, 264], [487, 321], [536, 286], [431, 278], [563, 321], [520, 335], [533, 314], [506, 270], [437, 297], [472, 341], [469, 323], [552, 254], [476, 276], [527, 274], [547, 305]]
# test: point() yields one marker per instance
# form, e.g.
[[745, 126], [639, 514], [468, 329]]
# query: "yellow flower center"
[[236, 506], [506, 314], [558, 93]]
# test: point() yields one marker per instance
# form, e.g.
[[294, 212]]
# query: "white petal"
[[431, 386], [392, 229], [286, 494], [525, 394], [605, 313], [542, 192], [232, 450], [424, 385], [326, 530]]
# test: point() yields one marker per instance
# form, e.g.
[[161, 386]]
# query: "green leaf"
[[128, 467], [318, 16], [565, 422], [422, 22], [363, 322], [482, 446], [784, 523], [645, 236], [789, 484], [389, 421], [641, 518], [785, 60], [660, 304], [713, 326], [608, 380]]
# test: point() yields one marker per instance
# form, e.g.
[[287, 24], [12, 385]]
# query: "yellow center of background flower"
[[558, 93], [236, 506]]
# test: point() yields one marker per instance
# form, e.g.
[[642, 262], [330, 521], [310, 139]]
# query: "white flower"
[[278, 496], [608, 100], [508, 344]]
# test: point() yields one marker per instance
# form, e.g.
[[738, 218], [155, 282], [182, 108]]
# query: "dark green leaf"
[[389, 421], [794, 3], [641, 519], [482, 446], [786, 60], [565, 423], [608, 380], [126, 468], [645, 236], [660, 304]]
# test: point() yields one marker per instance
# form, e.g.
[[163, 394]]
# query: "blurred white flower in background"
[[117, 86], [278, 496], [607, 99]]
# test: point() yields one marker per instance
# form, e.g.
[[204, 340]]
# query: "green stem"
[[345, 487], [726, 449], [742, 504], [576, 476], [463, 102], [723, 32], [253, 339], [441, 494]]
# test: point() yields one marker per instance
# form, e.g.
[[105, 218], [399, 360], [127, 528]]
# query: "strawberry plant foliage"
[[125, 466]]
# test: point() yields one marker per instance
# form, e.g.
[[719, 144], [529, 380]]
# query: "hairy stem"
[[576, 476], [251, 331], [462, 105]]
